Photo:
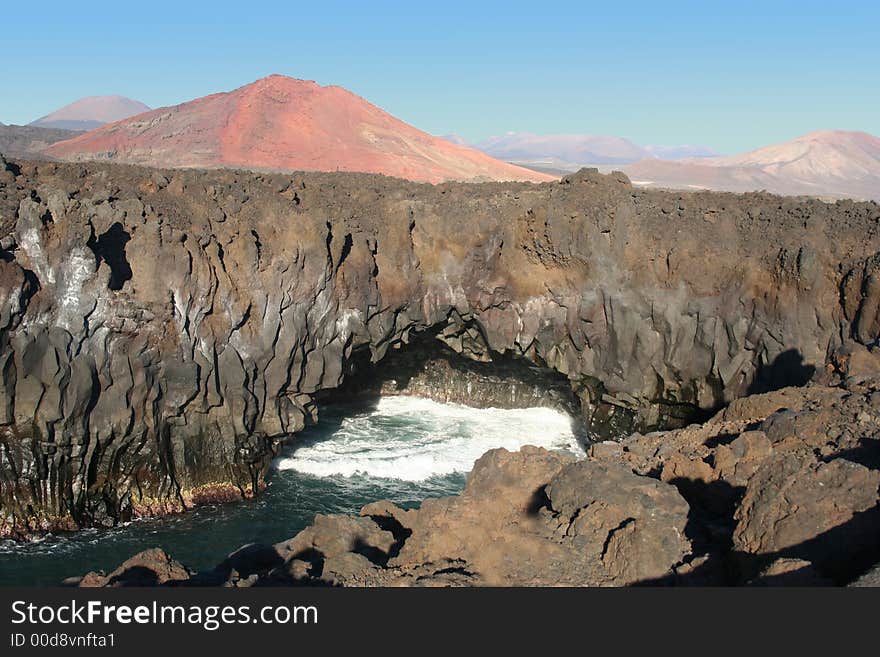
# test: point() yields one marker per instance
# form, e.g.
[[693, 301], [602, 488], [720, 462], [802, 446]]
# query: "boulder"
[[633, 525], [332, 535], [152, 567], [798, 506]]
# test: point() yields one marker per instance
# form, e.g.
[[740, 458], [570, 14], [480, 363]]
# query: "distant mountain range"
[[562, 151], [832, 163], [680, 151], [570, 152], [91, 112], [281, 124]]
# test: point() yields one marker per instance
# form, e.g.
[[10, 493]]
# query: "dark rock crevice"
[[109, 247], [426, 367]]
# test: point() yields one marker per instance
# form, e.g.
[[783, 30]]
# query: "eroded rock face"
[[430, 369], [788, 476], [794, 498], [778, 489], [161, 332], [635, 525]]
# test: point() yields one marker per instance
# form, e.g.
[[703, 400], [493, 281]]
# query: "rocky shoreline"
[[163, 332], [781, 488]]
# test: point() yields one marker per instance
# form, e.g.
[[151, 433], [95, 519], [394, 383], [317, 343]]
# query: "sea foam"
[[415, 439]]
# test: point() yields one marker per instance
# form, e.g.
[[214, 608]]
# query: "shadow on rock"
[[867, 453], [787, 369], [135, 576], [835, 557]]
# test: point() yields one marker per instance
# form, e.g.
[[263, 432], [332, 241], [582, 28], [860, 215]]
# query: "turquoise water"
[[403, 449]]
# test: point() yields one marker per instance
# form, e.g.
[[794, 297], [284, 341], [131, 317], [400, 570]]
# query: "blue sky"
[[731, 75]]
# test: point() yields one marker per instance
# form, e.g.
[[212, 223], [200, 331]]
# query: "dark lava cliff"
[[162, 331]]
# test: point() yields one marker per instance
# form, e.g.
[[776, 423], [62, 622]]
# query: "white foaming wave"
[[414, 439]]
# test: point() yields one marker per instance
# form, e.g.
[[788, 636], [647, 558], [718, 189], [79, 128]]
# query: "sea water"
[[404, 449]]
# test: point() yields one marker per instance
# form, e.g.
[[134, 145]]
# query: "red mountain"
[[281, 123]]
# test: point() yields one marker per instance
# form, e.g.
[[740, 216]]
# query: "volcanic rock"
[[791, 474], [635, 525], [769, 508], [30, 141], [870, 578], [332, 535], [163, 332], [151, 567], [281, 123], [795, 504], [524, 518], [790, 572]]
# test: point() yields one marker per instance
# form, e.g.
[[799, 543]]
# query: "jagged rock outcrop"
[[795, 497], [791, 476], [152, 567], [524, 519], [162, 331], [778, 489]]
